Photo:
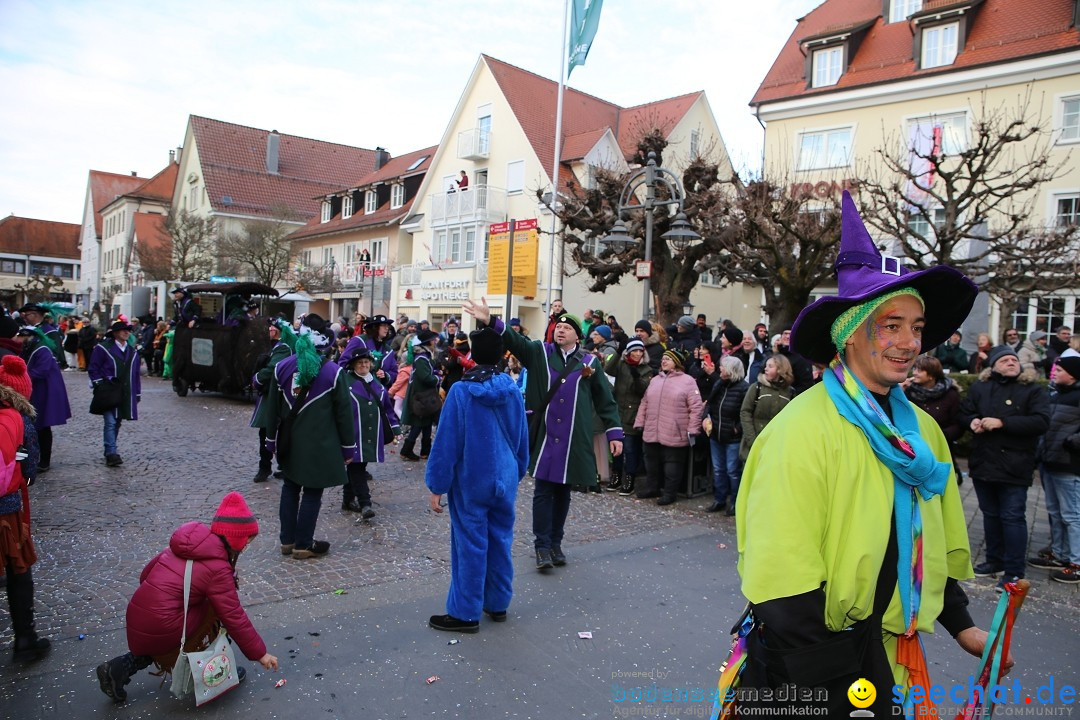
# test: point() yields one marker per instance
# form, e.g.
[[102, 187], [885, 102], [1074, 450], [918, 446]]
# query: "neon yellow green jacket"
[[815, 506]]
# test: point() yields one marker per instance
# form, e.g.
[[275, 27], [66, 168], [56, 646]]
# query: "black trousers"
[[665, 469], [420, 429], [20, 592], [45, 444], [265, 456], [357, 485]]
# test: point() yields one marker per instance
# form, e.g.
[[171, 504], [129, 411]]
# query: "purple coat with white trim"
[[385, 358], [105, 363], [563, 451], [49, 394]]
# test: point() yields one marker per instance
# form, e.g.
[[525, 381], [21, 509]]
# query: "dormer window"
[[397, 195], [939, 45], [901, 10], [325, 211], [828, 65], [371, 202], [346, 207]]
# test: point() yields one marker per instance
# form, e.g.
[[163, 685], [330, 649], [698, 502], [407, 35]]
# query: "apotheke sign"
[[452, 290]]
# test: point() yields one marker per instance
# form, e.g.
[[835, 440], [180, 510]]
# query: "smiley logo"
[[862, 693]]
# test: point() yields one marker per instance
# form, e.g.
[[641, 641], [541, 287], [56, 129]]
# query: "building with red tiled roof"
[[859, 76], [101, 189], [502, 135], [357, 234], [120, 270], [38, 248]]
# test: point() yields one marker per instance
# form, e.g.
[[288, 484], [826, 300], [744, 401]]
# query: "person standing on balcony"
[[463, 181]]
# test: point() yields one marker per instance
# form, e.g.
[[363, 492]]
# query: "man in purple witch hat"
[[850, 526]]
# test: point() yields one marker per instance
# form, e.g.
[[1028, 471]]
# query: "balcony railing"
[[474, 144], [357, 273], [483, 204]]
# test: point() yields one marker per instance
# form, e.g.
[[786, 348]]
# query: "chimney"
[[273, 141], [134, 173], [179, 153], [172, 156], [381, 157]]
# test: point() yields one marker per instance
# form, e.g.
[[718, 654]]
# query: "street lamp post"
[[680, 234]]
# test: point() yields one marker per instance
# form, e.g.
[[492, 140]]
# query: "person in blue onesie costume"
[[479, 456]]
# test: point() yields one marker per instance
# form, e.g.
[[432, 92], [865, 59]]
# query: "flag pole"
[[555, 165]]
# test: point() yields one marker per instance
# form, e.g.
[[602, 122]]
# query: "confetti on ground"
[[280, 683], [313, 634], [432, 679], [341, 591], [722, 546], [585, 635], [81, 636], [453, 642]]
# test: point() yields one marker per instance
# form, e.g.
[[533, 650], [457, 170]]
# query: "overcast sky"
[[109, 85]]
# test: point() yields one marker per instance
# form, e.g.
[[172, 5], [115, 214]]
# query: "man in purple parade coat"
[[561, 425], [113, 359]]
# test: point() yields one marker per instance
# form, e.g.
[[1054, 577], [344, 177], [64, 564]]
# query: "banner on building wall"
[[526, 257]]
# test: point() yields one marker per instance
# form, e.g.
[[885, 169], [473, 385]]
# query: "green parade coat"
[[423, 376], [322, 432], [562, 451]]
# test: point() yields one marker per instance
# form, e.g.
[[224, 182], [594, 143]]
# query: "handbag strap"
[[187, 596]]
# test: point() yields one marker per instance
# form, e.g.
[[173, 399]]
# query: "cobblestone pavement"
[[96, 527]]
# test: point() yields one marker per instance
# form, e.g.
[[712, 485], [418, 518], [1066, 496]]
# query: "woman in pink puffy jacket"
[[669, 415], [155, 614]]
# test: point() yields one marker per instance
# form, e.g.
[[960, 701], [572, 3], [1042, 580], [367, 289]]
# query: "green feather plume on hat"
[[307, 361], [45, 339], [288, 335]]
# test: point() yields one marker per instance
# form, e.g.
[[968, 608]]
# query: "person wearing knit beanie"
[[234, 522], [644, 326], [677, 356], [157, 610], [733, 336], [686, 322], [13, 374]]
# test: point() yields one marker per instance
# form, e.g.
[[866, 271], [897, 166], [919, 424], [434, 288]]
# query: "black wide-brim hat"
[[32, 307], [120, 325], [862, 273], [378, 320]]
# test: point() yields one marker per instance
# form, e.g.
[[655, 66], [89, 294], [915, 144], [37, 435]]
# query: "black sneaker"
[[367, 513], [1069, 574], [666, 500], [262, 476], [112, 678], [352, 505], [543, 559], [985, 569], [627, 488], [452, 624], [614, 483], [410, 456], [558, 559], [113, 460], [1046, 562], [496, 616], [715, 507]]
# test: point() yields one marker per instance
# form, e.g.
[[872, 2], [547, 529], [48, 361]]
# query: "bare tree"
[[968, 202], [315, 278], [759, 234], [192, 255], [38, 287], [263, 246], [776, 236]]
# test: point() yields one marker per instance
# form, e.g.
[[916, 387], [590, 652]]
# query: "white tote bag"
[[208, 673]]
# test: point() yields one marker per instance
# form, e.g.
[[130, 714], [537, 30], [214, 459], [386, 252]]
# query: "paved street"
[[657, 588]]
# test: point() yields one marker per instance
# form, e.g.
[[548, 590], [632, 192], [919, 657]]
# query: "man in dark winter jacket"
[[1060, 472], [685, 335], [1008, 410]]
